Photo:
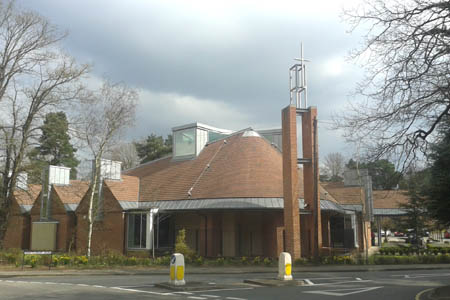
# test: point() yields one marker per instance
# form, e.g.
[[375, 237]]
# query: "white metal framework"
[[297, 82]]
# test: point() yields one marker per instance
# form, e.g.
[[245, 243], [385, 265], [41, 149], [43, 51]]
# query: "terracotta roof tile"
[[29, 196], [126, 189], [244, 166], [389, 199], [72, 193], [353, 195]]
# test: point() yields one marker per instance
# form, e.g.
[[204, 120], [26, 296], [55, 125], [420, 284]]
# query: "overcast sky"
[[223, 63]]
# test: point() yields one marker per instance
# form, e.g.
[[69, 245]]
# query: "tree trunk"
[[91, 203]]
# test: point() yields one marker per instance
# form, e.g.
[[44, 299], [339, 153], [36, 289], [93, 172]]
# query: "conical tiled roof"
[[244, 165]]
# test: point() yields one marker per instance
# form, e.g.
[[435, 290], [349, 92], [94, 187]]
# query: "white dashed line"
[[210, 296], [200, 298], [338, 282], [234, 298], [308, 281], [140, 291], [219, 290], [82, 284], [357, 278]]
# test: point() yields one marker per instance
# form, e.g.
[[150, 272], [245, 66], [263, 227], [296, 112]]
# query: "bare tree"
[[334, 165], [35, 78], [25, 38], [127, 154], [110, 111], [406, 92]]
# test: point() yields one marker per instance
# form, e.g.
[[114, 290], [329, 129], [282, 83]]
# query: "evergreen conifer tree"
[[55, 147]]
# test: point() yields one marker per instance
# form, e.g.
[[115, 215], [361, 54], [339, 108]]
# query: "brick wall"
[[311, 178], [109, 233], [290, 182], [58, 213], [18, 229]]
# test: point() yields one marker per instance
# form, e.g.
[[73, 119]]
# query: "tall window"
[[184, 142], [137, 230]]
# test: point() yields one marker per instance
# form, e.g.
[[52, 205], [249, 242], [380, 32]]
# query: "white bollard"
[[285, 266], [177, 269]]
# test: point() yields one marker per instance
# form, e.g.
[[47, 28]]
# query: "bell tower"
[[310, 166]]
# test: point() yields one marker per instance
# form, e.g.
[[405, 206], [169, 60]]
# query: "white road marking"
[[219, 290], [48, 282], [234, 298], [140, 291], [184, 293], [421, 293], [82, 284], [422, 275], [357, 278], [193, 297], [338, 282], [344, 292], [335, 278], [309, 281], [137, 286], [210, 296], [99, 286]]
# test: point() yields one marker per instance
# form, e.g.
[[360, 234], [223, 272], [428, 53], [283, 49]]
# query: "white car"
[[388, 232]]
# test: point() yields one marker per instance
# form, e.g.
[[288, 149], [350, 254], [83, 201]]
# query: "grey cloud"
[[165, 51]]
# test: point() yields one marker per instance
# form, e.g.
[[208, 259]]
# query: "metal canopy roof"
[[227, 203], [377, 211]]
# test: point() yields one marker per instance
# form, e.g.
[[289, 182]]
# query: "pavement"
[[312, 282], [161, 270]]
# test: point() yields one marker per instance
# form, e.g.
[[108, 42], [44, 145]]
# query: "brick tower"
[[312, 223]]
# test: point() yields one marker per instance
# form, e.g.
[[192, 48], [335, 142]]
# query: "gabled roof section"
[[73, 192], [390, 199], [126, 189], [27, 197], [344, 194], [351, 195]]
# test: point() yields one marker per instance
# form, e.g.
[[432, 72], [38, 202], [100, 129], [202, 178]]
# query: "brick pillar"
[[311, 176], [290, 181]]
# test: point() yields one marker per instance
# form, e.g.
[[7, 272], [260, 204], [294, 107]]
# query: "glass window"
[[184, 142], [137, 230], [214, 136]]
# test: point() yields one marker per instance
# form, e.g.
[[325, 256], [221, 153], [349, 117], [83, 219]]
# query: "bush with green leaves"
[[181, 245]]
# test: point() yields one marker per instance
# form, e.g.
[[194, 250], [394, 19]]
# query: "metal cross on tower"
[[297, 82]]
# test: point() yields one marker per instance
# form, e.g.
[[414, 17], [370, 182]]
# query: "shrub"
[[181, 246], [300, 261], [80, 260], [267, 261], [220, 261], [199, 261], [244, 260], [257, 260], [131, 261]]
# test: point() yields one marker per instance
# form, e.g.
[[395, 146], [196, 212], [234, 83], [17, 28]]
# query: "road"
[[383, 285]]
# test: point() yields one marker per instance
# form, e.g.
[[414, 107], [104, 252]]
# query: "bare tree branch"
[[405, 93]]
